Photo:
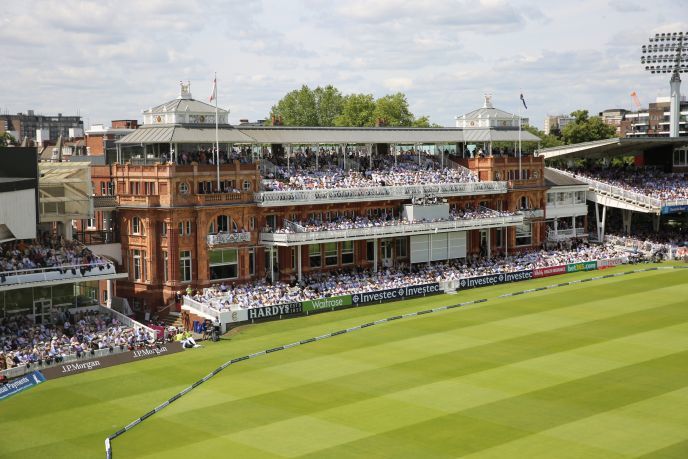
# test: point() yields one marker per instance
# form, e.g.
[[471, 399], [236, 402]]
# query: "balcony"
[[227, 238], [221, 198], [565, 234], [380, 193], [104, 202], [138, 200], [10, 280], [531, 214], [409, 229]]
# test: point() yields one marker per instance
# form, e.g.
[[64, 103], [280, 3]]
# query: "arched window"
[[211, 228], [222, 223], [136, 226]]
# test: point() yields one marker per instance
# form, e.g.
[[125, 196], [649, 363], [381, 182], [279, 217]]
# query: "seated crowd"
[[22, 342], [47, 251], [347, 223], [384, 171], [643, 180], [224, 297]]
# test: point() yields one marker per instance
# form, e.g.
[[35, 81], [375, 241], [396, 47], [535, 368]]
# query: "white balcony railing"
[[284, 198], [228, 238], [58, 273], [564, 234], [390, 230]]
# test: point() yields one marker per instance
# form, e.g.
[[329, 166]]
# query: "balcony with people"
[[369, 226]]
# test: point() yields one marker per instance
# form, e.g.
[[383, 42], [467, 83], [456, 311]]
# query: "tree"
[[297, 108], [586, 128], [546, 140], [6, 139], [358, 110], [393, 109], [328, 103]]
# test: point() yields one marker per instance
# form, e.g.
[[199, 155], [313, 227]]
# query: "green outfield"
[[592, 370]]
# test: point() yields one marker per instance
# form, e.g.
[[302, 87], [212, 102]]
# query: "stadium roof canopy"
[[610, 147]]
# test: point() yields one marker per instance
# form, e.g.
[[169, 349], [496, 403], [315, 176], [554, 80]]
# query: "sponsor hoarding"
[[609, 263], [25, 382], [275, 311], [582, 266], [549, 271], [494, 279], [327, 303], [673, 209], [395, 293], [81, 366]]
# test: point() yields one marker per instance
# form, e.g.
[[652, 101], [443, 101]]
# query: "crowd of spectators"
[[647, 181], [22, 342], [406, 169], [347, 223], [47, 251], [325, 284]]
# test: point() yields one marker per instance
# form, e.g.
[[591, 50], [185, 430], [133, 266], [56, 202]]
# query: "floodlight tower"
[[671, 51]]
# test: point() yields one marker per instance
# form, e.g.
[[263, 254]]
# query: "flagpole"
[[217, 139], [520, 174]]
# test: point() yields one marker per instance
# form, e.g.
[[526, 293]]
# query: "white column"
[[68, 230], [600, 221], [375, 255], [272, 264], [298, 262], [108, 303], [489, 242]]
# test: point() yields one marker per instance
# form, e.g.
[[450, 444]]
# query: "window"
[[211, 228], [524, 234], [185, 265], [224, 263], [402, 247], [188, 227], [524, 202], [103, 188], [181, 228], [137, 264], [222, 223], [105, 297], [314, 255], [252, 261], [551, 197], [499, 239], [90, 223], [331, 253], [165, 267], [252, 223], [163, 229], [247, 185], [370, 250], [111, 188], [136, 226], [347, 252], [184, 188]]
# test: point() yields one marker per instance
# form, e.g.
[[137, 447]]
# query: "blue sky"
[[112, 59]]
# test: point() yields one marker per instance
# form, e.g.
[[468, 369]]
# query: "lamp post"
[[668, 53]]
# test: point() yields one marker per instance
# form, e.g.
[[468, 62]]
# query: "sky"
[[110, 60]]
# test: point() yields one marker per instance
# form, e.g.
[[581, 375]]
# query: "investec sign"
[[275, 311], [495, 279], [395, 293], [327, 303]]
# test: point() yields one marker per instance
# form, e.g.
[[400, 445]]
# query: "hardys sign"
[[275, 311], [81, 366], [20, 384], [495, 279], [327, 303], [395, 293], [584, 266]]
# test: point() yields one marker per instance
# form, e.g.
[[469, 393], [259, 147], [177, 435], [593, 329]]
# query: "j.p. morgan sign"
[[495, 279], [81, 366], [395, 293]]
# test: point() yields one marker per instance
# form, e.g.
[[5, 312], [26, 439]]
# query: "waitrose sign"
[[327, 303]]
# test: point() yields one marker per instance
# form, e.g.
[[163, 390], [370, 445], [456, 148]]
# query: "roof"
[[325, 135], [487, 112], [183, 105], [556, 178], [611, 147]]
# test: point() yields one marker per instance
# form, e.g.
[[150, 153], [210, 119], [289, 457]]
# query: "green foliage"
[[328, 107], [358, 110], [6, 139], [546, 140], [586, 128]]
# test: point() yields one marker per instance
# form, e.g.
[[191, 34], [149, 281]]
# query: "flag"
[[636, 100], [524, 101], [213, 95]]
